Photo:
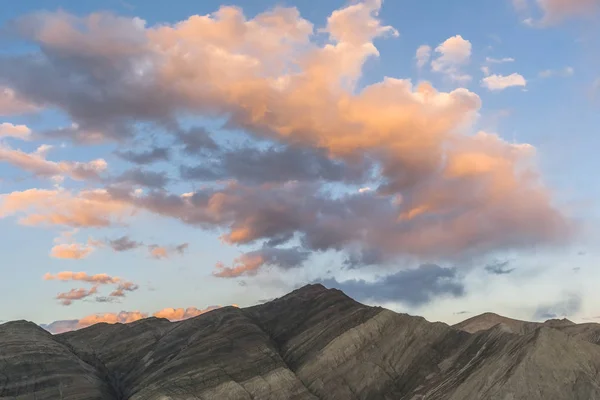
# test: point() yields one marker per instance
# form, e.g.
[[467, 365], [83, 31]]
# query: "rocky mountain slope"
[[314, 343]]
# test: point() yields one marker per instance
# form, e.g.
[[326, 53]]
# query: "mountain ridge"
[[313, 343]]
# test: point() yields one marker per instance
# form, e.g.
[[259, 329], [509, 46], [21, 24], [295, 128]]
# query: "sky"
[[167, 158]]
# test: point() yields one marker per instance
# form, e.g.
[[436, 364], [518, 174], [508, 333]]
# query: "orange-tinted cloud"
[[161, 252], [37, 164], [99, 279], [15, 131], [250, 263], [65, 276], [178, 314], [557, 10], [124, 317], [88, 208], [67, 298], [444, 192], [67, 248], [72, 251], [12, 104]]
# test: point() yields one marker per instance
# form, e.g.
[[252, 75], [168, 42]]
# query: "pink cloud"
[[67, 298]]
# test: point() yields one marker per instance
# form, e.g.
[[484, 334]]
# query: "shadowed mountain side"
[[33, 365], [314, 343]]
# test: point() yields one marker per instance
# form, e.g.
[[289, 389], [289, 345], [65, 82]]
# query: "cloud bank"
[[312, 133]]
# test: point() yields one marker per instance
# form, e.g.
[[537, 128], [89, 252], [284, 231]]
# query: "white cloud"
[[423, 55], [492, 60], [454, 53], [565, 72], [500, 82]]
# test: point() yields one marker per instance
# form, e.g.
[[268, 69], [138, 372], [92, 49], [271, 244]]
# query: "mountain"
[[489, 320], [314, 343]]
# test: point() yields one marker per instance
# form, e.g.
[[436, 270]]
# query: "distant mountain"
[[314, 343]]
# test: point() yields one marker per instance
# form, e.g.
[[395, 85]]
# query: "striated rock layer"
[[314, 343]]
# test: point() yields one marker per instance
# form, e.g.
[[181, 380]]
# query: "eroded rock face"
[[33, 365], [313, 343]]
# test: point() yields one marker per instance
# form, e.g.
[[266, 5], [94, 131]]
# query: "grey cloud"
[[566, 307], [275, 164], [145, 178], [363, 258], [145, 157], [414, 287], [282, 258], [364, 221], [499, 268], [105, 299], [182, 248], [196, 140], [124, 287], [89, 77], [124, 244]]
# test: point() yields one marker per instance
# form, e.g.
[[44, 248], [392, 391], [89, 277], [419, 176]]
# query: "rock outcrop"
[[314, 343]]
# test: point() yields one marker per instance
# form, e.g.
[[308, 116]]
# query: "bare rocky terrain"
[[314, 343]]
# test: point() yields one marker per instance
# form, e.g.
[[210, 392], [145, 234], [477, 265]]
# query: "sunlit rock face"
[[314, 343]]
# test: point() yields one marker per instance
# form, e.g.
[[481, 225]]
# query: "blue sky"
[[554, 109]]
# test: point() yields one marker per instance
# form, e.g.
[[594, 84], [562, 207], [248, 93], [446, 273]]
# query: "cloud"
[[565, 72], [160, 252], [182, 248], [14, 131], [37, 164], [73, 251], [123, 287], [145, 157], [106, 299], [567, 307], [454, 53], [178, 314], [124, 317], [423, 55], [274, 164], [491, 60], [67, 248], [87, 208], [11, 103], [414, 287], [124, 244], [250, 263], [140, 177], [67, 298], [196, 140], [558, 10], [442, 191], [440, 219], [499, 268], [500, 82], [98, 279]]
